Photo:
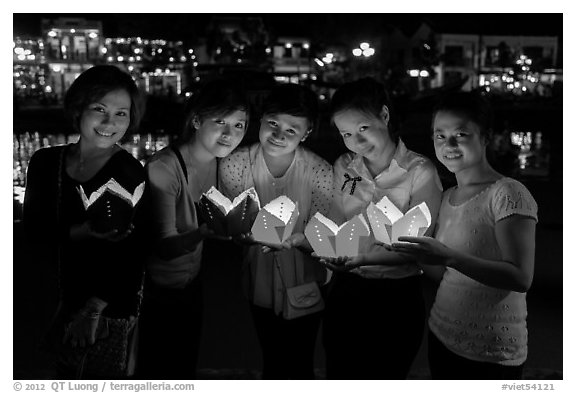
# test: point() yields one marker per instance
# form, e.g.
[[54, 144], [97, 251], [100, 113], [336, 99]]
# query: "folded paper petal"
[[276, 221], [414, 223], [115, 188], [329, 240], [229, 217], [388, 223]]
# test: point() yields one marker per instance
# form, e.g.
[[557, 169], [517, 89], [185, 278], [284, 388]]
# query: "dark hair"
[[218, 97], [294, 100], [471, 105], [365, 95], [95, 83]]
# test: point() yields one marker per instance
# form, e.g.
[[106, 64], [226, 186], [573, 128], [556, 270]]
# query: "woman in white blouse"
[[377, 295], [277, 166]]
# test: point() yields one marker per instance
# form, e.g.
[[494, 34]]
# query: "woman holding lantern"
[[378, 292], [78, 210], [278, 166], [216, 119]]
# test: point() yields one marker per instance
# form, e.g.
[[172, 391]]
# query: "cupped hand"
[[295, 240], [85, 231], [210, 234], [430, 250], [266, 248], [337, 264], [384, 245], [244, 239]]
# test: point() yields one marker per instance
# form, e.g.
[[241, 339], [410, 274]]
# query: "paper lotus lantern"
[[330, 240], [276, 221], [228, 217], [388, 222], [111, 206]]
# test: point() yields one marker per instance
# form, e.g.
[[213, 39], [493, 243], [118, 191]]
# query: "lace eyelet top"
[[473, 320], [308, 180]]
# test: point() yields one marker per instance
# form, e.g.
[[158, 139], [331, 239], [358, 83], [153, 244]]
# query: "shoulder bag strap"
[[180, 160], [61, 159]]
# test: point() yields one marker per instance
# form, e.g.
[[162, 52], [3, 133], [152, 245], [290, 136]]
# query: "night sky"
[[319, 27]]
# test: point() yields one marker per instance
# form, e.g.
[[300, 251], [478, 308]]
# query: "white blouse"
[[409, 180], [308, 181]]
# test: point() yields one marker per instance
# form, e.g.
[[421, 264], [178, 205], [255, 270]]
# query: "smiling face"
[[104, 122], [458, 142], [219, 135], [281, 133], [363, 133]]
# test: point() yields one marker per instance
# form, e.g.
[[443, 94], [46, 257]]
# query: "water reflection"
[[521, 153], [532, 151]]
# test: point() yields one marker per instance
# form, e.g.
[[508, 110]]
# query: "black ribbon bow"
[[354, 180]]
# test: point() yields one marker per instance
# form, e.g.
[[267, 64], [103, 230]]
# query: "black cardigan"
[[111, 271]]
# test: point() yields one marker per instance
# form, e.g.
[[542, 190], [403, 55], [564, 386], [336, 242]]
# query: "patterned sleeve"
[[512, 197], [231, 173], [322, 187], [427, 187]]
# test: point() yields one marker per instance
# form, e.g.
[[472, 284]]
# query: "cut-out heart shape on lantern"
[[226, 217], [275, 221], [330, 240], [388, 222]]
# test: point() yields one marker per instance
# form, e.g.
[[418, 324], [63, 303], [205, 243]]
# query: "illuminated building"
[[158, 66], [292, 60], [487, 60], [72, 46], [44, 67]]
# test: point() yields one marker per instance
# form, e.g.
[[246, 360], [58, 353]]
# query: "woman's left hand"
[[339, 264], [84, 231], [295, 240], [114, 235], [81, 331], [433, 251]]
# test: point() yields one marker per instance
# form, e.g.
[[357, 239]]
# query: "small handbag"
[[301, 300], [113, 353]]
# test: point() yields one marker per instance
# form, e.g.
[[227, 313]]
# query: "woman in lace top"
[[484, 244], [277, 166]]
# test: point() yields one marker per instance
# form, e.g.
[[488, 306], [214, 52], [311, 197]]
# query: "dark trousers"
[[445, 364], [287, 345], [170, 329], [372, 327]]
